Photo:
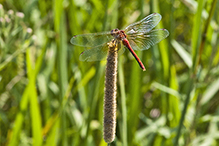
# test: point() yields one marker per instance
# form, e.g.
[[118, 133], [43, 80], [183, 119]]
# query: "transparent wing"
[[98, 53], [144, 40], [94, 54], [145, 25], [92, 39]]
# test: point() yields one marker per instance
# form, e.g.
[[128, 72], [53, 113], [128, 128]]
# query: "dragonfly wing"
[[91, 40], [98, 53], [144, 25], [144, 40], [121, 49], [94, 54]]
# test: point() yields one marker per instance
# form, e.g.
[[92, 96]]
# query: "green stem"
[[123, 104], [190, 86]]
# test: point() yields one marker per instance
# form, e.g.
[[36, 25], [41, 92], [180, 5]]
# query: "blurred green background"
[[48, 97]]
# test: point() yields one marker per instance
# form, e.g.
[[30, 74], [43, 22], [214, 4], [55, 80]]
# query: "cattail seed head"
[[109, 122]]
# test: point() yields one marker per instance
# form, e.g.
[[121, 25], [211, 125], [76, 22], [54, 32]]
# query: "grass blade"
[[182, 53], [123, 103]]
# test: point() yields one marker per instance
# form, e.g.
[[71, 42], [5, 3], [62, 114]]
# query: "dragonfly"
[[136, 36]]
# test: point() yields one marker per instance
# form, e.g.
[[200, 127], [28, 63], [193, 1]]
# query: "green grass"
[[49, 97]]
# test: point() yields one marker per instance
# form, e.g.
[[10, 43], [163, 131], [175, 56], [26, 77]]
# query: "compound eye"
[[114, 31]]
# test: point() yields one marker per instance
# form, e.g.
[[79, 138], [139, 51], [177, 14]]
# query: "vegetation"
[[49, 97]]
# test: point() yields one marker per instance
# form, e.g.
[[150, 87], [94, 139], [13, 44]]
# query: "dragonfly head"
[[118, 34], [115, 32]]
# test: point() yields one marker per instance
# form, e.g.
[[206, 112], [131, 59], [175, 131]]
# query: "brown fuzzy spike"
[[109, 127]]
